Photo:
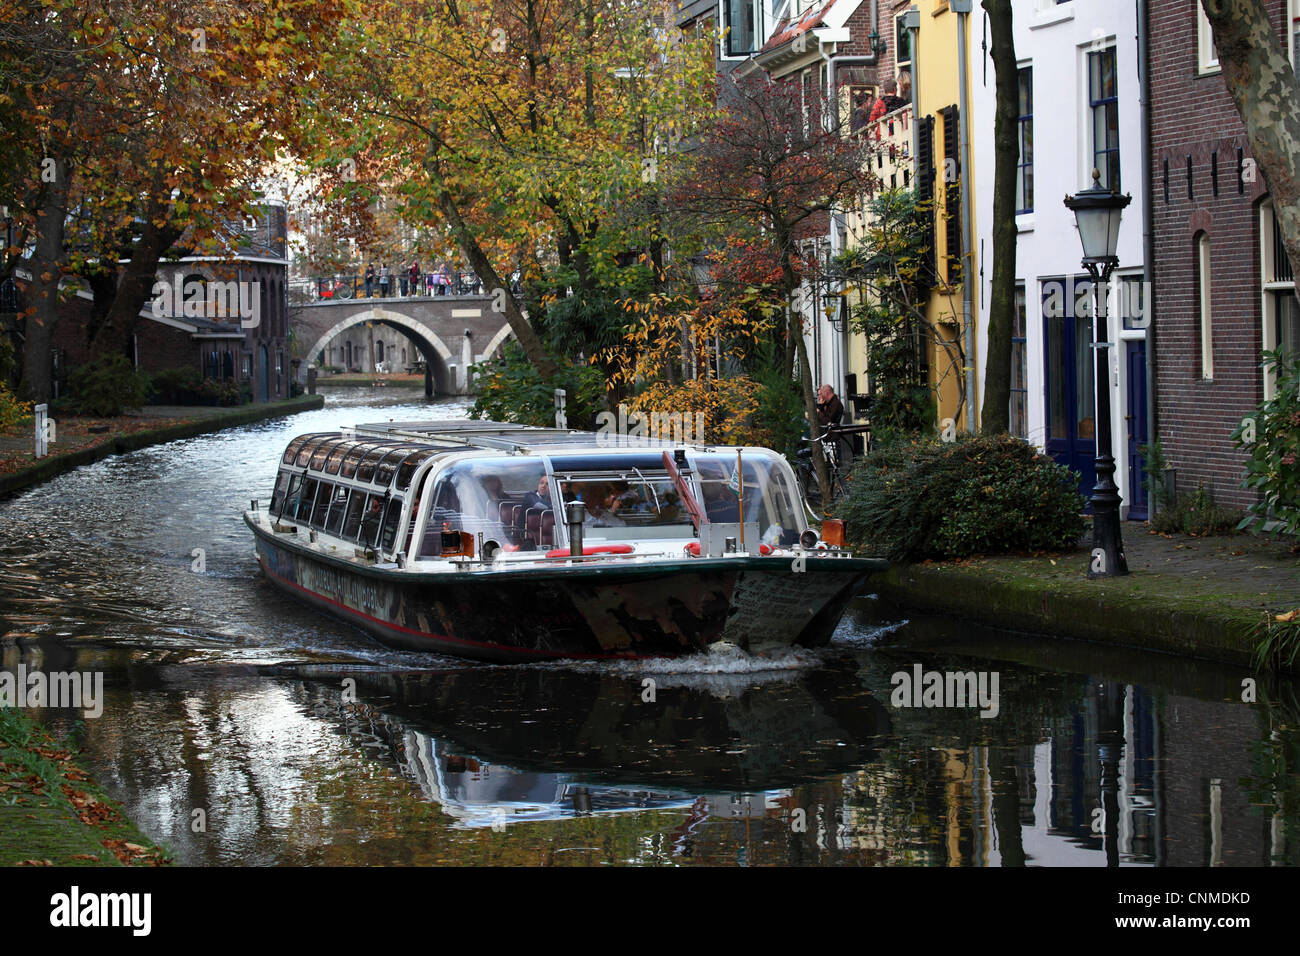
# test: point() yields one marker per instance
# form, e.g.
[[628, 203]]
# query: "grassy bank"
[[52, 814], [1201, 597], [77, 445]]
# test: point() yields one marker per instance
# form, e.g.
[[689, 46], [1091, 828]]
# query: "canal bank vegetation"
[[52, 814], [919, 499]]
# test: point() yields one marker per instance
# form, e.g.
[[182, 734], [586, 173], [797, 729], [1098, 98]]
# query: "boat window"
[[385, 470], [628, 506], [305, 453], [769, 497], [277, 496], [390, 524], [318, 456], [291, 452], [290, 503], [323, 497], [373, 518], [356, 509], [307, 499], [353, 458], [336, 457], [339, 503], [366, 470], [407, 468], [503, 498]]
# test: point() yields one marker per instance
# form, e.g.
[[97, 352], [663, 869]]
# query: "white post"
[[44, 431], [561, 420]]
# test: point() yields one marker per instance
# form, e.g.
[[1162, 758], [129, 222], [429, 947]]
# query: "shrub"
[[12, 411], [927, 499], [1195, 514], [510, 389], [107, 386], [177, 386], [215, 391], [1272, 437]]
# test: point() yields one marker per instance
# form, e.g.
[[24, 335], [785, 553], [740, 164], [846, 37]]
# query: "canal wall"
[[57, 464], [1186, 613]]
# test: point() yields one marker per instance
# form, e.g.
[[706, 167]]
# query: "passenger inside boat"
[[506, 500]]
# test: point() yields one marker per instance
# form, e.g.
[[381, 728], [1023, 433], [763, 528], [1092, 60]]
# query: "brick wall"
[[1192, 116]]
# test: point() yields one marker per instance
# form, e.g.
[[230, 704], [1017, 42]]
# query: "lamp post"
[[1097, 212]]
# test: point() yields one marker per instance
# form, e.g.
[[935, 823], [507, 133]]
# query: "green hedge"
[[987, 495]]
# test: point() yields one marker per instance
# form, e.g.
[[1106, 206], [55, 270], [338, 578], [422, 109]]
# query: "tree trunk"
[[47, 270], [1002, 298], [135, 288], [484, 269], [1259, 77]]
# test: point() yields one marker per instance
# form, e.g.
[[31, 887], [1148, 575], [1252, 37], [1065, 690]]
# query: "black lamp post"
[[1097, 211], [877, 43]]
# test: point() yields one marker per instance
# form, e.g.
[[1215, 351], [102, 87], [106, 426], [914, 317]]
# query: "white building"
[[1080, 110]]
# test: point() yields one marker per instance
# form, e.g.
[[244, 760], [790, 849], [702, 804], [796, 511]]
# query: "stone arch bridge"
[[452, 332]]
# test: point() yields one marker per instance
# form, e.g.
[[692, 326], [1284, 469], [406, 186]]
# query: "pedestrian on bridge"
[[385, 279], [414, 272], [370, 281]]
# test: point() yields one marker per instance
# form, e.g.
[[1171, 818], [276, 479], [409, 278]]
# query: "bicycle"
[[832, 439]]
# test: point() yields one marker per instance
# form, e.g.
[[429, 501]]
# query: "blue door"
[[1136, 420], [1071, 419]]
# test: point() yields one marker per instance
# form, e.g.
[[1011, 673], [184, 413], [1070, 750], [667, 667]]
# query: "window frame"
[[1204, 306], [1019, 337], [1024, 120], [1106, 103], [1207, 57]]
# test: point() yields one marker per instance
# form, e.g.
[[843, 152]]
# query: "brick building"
[[227, 316], [1223, 287]]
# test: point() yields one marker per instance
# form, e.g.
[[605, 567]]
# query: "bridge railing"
[[336, 287]]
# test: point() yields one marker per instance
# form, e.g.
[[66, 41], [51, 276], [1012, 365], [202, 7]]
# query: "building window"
[[1018, 417], [1281, 310], [742, 19], [1103, 113], [279, 363], [1207, 57], [1025, 121], [248, 366], [1295, 32], [902, 48], [1203, 305]]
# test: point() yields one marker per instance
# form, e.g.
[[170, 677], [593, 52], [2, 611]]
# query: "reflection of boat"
[[597, 729], [479, 794], [444, 536]]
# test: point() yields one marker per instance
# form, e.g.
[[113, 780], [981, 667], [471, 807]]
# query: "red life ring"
[[593, 549]]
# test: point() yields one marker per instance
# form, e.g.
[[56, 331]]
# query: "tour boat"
[[511, 543]]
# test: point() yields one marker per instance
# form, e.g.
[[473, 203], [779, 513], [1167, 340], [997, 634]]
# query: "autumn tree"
[[142, 123], [1262, 83], [516, 127], [767, 171]]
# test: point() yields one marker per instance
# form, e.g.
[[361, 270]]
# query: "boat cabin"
[[434, 491]]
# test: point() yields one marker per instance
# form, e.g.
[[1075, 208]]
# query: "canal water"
[[240, 727]]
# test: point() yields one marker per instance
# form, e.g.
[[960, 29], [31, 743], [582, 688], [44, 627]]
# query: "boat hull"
[[610, 609]]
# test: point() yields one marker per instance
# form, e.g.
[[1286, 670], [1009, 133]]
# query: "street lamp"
[[877, 43], [1097, 212]]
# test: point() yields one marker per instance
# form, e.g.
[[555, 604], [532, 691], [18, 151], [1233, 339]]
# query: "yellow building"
[[940, 44], [923, 61]]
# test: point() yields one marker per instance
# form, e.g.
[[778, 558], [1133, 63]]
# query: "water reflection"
[[304, 743]]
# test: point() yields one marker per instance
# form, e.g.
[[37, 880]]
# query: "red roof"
[[787, 31]]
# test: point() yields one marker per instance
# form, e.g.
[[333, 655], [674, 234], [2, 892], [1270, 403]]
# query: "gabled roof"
[[787, 29]]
